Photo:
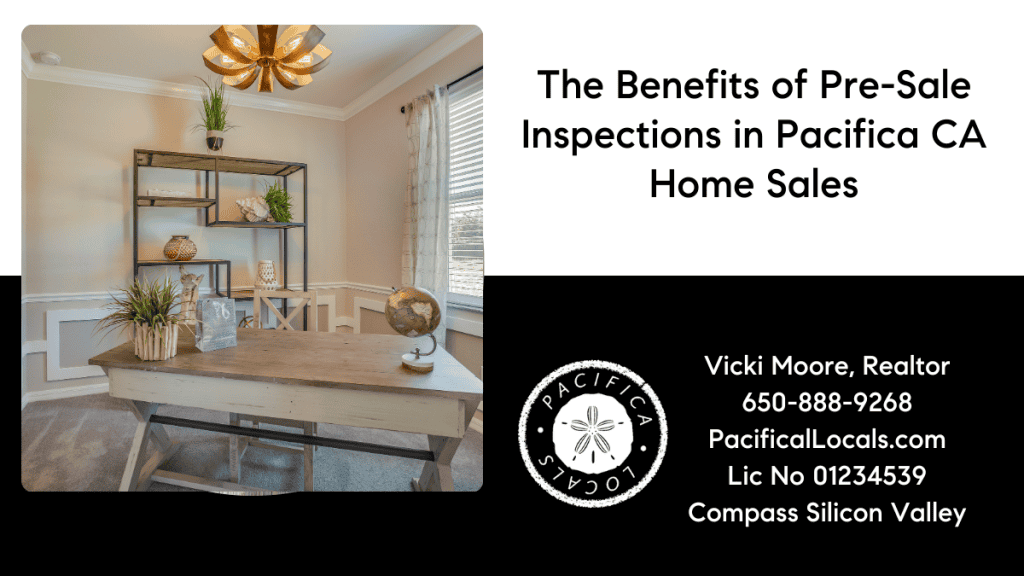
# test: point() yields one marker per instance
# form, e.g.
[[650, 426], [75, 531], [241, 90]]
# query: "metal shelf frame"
[[215, 163]]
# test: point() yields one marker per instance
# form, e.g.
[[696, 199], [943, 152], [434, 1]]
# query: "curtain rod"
[[456, 81]]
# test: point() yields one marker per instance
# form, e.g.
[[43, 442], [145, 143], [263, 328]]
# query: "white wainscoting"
[[359, 304], [51, 345], [33, 346], [54, 371]]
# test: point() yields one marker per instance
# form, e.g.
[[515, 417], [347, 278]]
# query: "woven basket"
[[179, 248]]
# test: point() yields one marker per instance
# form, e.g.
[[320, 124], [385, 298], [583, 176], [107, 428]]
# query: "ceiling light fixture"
[[290, 58]]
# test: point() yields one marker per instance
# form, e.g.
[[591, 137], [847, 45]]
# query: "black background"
[[661, 328]]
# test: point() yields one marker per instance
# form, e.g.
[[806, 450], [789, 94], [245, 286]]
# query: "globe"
[[412, 311]]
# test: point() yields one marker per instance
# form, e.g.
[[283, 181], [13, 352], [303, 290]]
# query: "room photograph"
[[252, 258]]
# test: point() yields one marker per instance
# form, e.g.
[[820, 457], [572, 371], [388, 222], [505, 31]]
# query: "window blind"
[[466, 191]]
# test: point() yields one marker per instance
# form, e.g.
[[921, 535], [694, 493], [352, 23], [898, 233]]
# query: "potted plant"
[[215, 116], [145, 308], [279, 202]]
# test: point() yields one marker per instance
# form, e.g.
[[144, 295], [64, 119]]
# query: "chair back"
[[261, 297]]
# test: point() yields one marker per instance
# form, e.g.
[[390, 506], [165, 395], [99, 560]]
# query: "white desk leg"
[[142, 412], [437, 475], [165, 448]]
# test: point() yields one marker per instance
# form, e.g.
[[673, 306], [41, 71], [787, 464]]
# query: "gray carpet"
[[82, 444]]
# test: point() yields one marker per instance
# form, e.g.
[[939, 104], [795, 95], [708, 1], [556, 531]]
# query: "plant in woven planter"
[[145, 309], [279, 201]]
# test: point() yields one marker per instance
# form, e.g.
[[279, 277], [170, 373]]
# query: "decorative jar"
[[266, 276], [179, 248]]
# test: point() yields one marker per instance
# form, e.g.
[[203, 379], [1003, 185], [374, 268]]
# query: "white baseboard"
[[69, 392], [477, 425]]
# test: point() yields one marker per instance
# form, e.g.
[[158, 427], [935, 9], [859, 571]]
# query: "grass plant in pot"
[[279, 202], [145, 310], [215, 116]]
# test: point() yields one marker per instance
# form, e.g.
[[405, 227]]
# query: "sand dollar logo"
[[592, 434], [578, 442]]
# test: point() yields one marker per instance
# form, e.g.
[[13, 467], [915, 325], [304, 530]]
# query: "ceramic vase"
[[179, 248], [214, 139], [156, 344], [266, 276]]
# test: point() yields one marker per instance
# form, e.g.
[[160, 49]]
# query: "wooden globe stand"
[[418, 362]]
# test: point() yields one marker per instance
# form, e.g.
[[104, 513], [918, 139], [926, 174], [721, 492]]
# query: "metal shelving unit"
[[208, 163]]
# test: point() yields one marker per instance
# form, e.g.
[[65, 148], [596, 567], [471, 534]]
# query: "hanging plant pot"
[[160, 343], [214, 139]]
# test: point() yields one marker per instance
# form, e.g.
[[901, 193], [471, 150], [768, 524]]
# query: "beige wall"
[[77, 190], [79, 187], [24, 141], [378, 164], [378, 161]]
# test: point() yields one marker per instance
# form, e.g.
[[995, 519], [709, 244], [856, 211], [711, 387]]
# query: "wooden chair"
[[261, 297], [239, 444]]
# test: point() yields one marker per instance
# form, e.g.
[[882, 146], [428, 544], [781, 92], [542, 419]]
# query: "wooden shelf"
[[276, 225], [182, 161], [216, 164], [175, 202], [247, 294], [175, 262]]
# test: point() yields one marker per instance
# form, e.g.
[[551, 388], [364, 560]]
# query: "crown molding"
[[433, 54], [27, 63], [78, 77]]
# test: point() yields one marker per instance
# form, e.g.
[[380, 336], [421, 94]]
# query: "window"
[[466, 192]]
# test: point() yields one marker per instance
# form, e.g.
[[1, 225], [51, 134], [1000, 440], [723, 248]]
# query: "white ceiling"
[[362, 55]]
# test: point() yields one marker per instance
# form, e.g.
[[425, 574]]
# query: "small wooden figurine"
[[189, 293]]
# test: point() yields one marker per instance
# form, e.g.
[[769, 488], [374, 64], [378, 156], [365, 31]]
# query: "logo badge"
[[592, 434]]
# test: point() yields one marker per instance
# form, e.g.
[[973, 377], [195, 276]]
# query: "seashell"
[[254, 209]]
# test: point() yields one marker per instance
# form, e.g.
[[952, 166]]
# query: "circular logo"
[[592, 434]]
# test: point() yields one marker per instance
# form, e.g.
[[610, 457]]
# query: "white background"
[[922, 211]]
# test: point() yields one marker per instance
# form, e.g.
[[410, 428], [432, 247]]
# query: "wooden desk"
[[347, 379]]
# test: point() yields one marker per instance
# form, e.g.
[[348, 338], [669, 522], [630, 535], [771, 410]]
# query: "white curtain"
[[425, 258]]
